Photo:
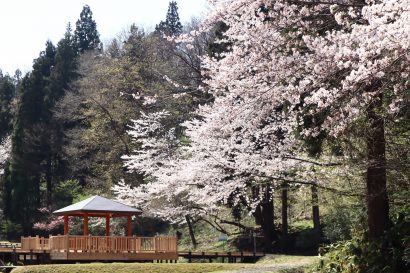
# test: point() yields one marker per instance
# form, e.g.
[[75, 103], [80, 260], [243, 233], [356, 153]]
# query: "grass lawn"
[[273, 263], [129, 268]]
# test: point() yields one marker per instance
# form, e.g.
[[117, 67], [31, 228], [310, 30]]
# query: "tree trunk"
[[191, 231], [264, 216], [315, 208], [284, 208], [377, 199], [268, 216], [48, 182]]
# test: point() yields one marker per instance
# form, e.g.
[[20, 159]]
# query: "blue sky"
[[25, 25]]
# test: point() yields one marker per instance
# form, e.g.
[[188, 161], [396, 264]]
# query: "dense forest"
[[283, 125]]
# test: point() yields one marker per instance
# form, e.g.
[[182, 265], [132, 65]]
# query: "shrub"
[[10, 230], [339, 222], [388, 254]]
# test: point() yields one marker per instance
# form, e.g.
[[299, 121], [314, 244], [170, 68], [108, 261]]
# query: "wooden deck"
[[70, 248], [103, 248]]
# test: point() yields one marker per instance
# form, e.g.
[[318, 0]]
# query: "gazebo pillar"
[[107, 225], [85, 224], [129, 229], [65, 224]]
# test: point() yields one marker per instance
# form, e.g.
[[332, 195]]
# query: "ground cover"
[[271, 263]]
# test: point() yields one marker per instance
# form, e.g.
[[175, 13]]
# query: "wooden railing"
[[35, 243], [103, 244], [10, 245]]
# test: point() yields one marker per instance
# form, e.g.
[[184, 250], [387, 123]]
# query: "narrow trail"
[[275, 264]]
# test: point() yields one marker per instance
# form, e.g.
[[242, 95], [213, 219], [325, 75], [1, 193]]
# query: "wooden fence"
[[101, 244], [35, 243]]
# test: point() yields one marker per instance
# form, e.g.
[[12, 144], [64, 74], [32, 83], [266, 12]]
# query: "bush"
[[388, 254], [339, 222], [307, 239], [10, 230]]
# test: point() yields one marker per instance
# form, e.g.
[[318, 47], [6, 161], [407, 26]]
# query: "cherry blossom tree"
[[336, 60], [295, 70]]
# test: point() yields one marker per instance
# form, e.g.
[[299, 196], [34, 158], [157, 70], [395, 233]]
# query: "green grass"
[[129, 268], [301, 225], [287, 264], [207, 239], [284, 259]]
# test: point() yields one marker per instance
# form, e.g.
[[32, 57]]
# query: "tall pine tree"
[[24, 176], [62, 74], [86, 36], [7, 91], [36, 157], [172, 25]]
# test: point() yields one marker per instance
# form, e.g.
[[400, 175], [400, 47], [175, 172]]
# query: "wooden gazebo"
[[97, 206], [87, 247]]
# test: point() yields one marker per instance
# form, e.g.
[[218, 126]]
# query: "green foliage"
[[214, 48], [67, 193], [28, 142], [36, 157], [10, 230], [387, 254], [300, 225], [307, 239], [7, 91], [339, 221], [172, 26], [86, 36]]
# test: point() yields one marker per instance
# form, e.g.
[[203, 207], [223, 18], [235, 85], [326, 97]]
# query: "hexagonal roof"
[[97, 204]]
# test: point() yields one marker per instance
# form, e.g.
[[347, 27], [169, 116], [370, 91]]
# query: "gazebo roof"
[[97, 204]]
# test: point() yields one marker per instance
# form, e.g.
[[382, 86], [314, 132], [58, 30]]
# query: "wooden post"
[[129, 225], [85, 224], [14, 256], [67, 243], [107, 225], [65, 224], [36, 242]]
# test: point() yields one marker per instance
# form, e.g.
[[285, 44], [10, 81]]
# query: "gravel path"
[[268, 268]]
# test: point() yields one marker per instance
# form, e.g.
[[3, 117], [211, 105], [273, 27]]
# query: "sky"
[[26, 25]]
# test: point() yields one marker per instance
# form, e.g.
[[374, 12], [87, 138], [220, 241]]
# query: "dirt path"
[[273, 264]]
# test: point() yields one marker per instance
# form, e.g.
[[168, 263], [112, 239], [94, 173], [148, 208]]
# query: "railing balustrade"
[[101, 244], [35, 243]]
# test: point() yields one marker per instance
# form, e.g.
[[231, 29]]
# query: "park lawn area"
[[272, 263], [130, 268]]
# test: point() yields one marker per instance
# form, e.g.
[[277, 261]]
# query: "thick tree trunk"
[[315, 208], [191, 231], [377, 200], [264, 216], [268, 226], [284, 208]]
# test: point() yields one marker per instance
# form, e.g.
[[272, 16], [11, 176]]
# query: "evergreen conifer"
[[172, 25], [86, 36]]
